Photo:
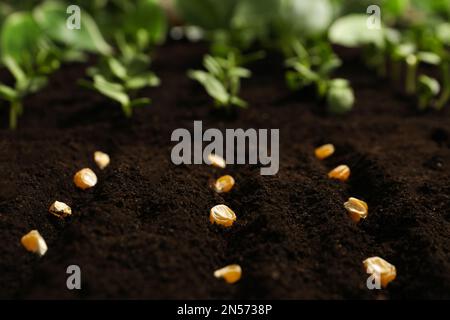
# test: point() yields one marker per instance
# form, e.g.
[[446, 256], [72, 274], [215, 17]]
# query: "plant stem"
[[445, 96], [411, 71], [14, 110]]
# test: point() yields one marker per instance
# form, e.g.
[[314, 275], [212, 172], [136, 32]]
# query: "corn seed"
[[381, 268], [230, 274], [85, 178], [224, 184], [324, 151], [356, 208], [341, 173], [101, 159], [60, 209], [34, 242], [222, 215], [217, 161]]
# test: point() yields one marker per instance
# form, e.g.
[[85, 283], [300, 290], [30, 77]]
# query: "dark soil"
[[143, 231]]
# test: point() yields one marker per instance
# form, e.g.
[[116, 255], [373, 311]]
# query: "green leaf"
[[443, 33], [7, 93], [21, 38], [212, 65], [117, 68], [148, 79], [305, 17], [52, 18], [213, 86], [146, 24], [340, 97], [140, 102], [111, 89], [240, 72], [351, 31], [429, 57]]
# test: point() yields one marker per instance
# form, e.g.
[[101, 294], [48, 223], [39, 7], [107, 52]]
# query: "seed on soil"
[[34, 242], [381, 268], [85, 179], [222, 215], [101, 159], [324, 151], [224, 184], [341, 173], [356, 208], [217, 161], [230, 274], [60, 209]]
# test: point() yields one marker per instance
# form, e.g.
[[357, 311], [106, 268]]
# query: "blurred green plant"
[[119, 76], [222, 80], [120, 79], [51, 17], [314, 67], [28, 55]]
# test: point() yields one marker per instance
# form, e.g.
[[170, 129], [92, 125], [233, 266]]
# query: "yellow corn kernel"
[[230, 274], [381, 268], [224, 184], [341, 172], [356, 208], [217, 161], [222, 215], [85, 178], [60, 209], [101, 159], [34, 242], [324, 151]]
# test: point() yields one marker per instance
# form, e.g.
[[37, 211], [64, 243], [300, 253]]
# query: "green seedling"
[[222, 80], [314, 67], [119, 80], [427, 89], [28, 56], [445, 95]]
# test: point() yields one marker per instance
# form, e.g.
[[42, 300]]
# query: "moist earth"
[[144, 230]]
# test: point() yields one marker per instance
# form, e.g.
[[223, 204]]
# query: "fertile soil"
[[144, 232]]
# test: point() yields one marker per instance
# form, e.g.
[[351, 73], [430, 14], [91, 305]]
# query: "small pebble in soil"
[[60, 209], [85, 179], [222, 215], [230, 274], [34, 242], [341, 173], [224, 184], [380, 268], [357, 209], [217, 161], [324, 151], [101, 159]]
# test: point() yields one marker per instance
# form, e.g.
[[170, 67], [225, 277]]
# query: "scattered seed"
[[382, 268], [101, 159], [217, 161], [230, 274], [34, 242], [341, 173], [85, 178], [356, 208], [324, 151], [224, 184], [222, 215], [60, 209]]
